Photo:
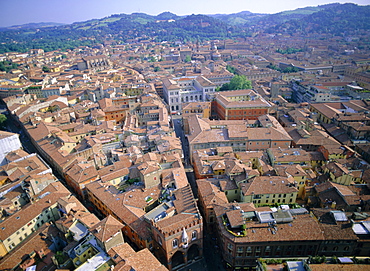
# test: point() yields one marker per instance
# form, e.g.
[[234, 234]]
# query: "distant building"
[[100, 62]]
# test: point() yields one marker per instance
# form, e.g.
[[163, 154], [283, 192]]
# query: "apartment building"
[[269, 190], [238, 134], [42, 209], [247, 233], [203, 109], [79, 174], [294, 156], [240, 105]]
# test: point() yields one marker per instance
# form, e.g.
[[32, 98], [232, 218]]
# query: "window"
[[230, 246], [267, 250], [175, 243], [194, 235]]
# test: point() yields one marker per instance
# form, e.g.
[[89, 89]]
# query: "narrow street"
[[212, 258], [177, 123]]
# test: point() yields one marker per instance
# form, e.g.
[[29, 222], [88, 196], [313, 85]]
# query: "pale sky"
[[16, 12]]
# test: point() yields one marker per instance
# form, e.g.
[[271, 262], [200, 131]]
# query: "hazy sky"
[[14, 12]]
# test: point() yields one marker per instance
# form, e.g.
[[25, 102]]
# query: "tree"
[[240, 82], [3, 119], [45, 69], [187, 59], [231, 69], [7, 66], [237, 82]]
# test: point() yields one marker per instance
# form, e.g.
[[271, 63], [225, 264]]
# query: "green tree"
[[187, 59], [231, 69], [3, 119], [157, 69], [7, 66], [45, 69], [237, 82], [290, 70], [240, 82]]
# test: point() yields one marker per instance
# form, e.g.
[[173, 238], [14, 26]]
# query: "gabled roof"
[[106, 228]]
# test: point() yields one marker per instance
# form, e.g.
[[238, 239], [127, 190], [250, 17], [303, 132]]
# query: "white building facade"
[[187, 89]]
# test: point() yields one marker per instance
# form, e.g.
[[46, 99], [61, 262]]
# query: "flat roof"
[[94, 262]]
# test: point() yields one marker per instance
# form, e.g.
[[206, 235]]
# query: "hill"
[[240, 18], [334, 19], [32, 26], [330, 19]]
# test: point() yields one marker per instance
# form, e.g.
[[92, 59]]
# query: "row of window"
[[175, 242], [268, 250], [204, 146], [273, 201], [273, 195]]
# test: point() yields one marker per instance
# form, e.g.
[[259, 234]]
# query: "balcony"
[[239, 231]]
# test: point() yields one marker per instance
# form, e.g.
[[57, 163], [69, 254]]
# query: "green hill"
[[332, 19]]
